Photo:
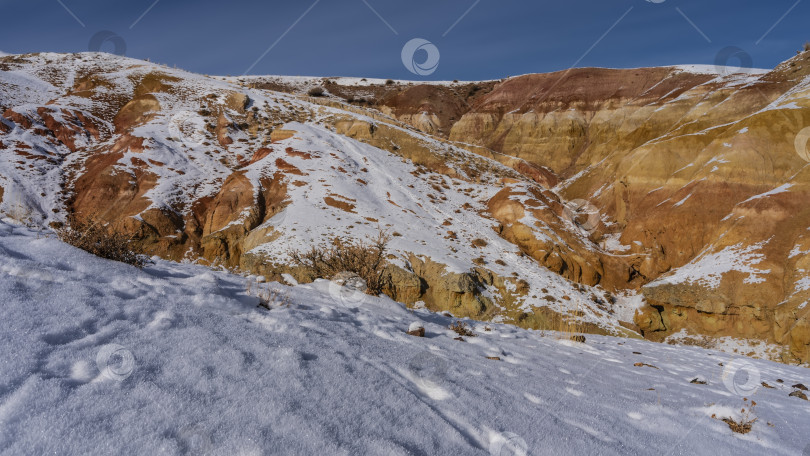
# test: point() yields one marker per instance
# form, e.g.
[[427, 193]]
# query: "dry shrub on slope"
[[364, 258], [100, 240]]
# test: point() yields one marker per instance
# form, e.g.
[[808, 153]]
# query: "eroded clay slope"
[[204, 169], [690, 182]]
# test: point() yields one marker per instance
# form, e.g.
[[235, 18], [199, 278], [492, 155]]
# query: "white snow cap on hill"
[[99, 357], [720, 69]]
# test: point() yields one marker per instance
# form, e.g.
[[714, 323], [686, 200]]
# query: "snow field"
[[102, 358]]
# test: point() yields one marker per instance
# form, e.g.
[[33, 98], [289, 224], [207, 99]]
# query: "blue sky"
[[493, 39]]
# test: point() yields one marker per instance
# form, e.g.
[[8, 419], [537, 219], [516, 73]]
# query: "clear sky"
[[476, 39]]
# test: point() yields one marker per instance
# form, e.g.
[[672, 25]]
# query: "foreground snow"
[[101, 358]]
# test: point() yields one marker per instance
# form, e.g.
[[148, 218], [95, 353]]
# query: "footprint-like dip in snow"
[[574, 392], [162, 320], [532, 398], [82, 371], [428, 373]]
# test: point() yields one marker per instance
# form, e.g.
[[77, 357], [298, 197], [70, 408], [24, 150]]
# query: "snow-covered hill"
[[102, 358], [663, 202]]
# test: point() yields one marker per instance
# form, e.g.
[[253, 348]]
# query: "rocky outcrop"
[[751, 281]]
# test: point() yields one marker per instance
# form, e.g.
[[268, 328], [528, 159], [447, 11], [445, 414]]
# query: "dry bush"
[[745, 423], [268, 296], [695, 341], [570, 326], [462, 329], [315, 92], [364, 258], [101, 241], [807, 46]]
